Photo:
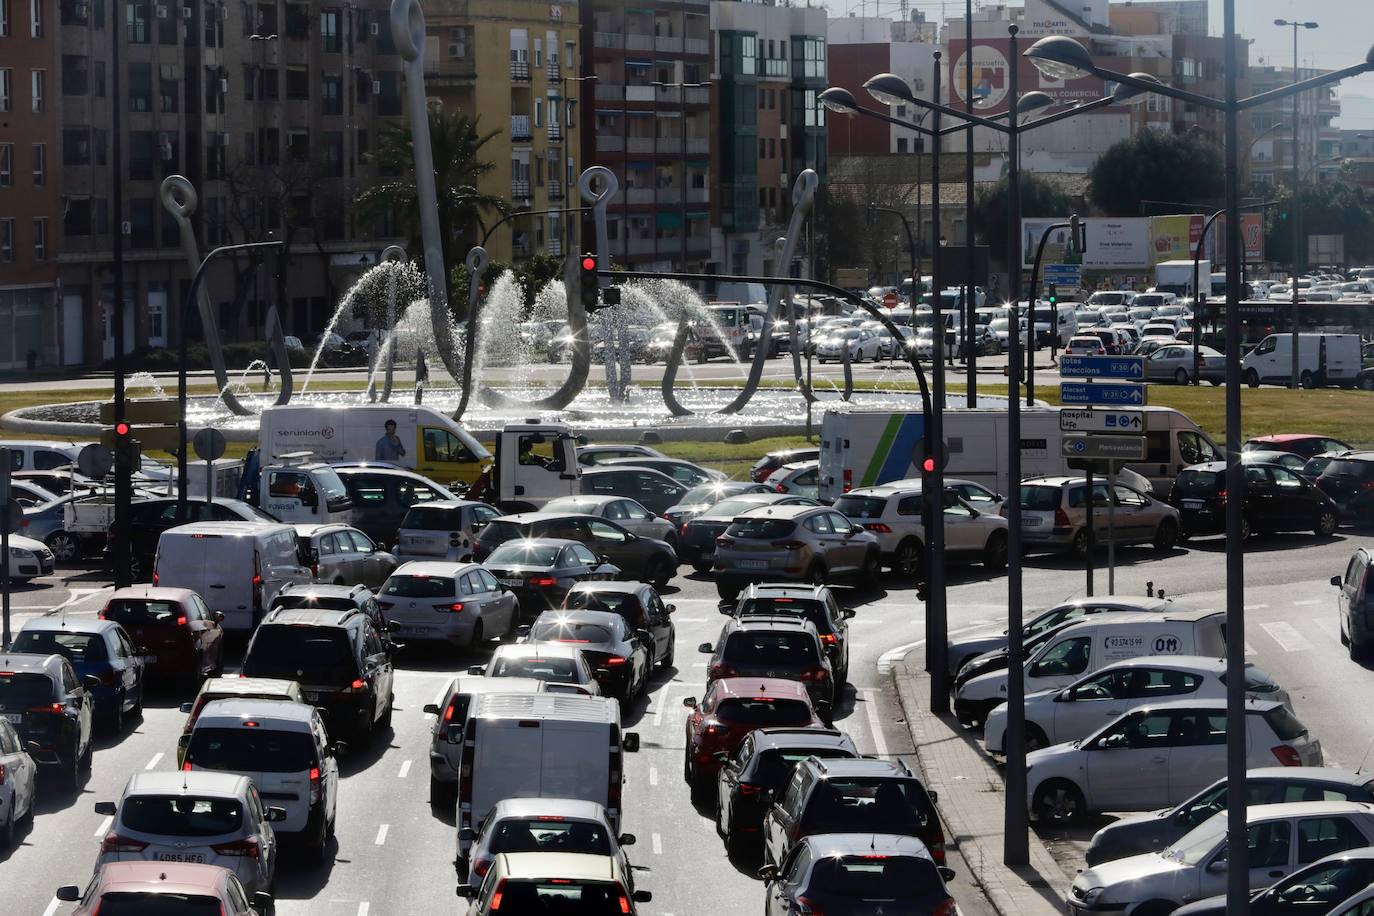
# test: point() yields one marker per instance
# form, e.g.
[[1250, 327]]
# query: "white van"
[[1323, 359], [566, 746], [237, 567], [1082, 648], [1064, 320]]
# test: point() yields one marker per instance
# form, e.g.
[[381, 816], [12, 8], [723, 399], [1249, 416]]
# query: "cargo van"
[[450, 713], [433, 443], [237, 567], [865, 448], [1323, 359], [1082, 648], [566, 746]]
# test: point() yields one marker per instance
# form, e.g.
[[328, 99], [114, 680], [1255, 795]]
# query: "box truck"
[[1323, 359], [1177, 276]]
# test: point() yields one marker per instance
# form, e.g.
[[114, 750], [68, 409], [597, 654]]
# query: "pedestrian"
[[389, 447]]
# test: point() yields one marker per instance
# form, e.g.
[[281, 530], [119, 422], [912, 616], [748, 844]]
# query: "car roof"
[[65, 624], [230, 529], [253, 708], [349, 470], [449, 504], [1218, 705], [572, 865], [825, 845], [531, 649], [784, 512], [774, 738], [323, 590], [526, 518], [614, 587], [307, 616], [310, 529], [49, 663], [756, 622], [162, 878], [434, 568], [1186, 662], [548, 807], [774, 687], [1336, 775], [542, 542], [579, 615], [859, 766], [1287, 437], [151, 593], [1307, 808], [794, 466], [193, 782], [785, 590], [250, 685], [588, 500]]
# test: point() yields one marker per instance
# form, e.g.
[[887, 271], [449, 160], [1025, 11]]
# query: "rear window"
[[136, 904], [550, 834], [861, 506], [762, 712], [859, 804], [554, 631], [135, 613], [774, 768], [702, 496], [1040, 499], [21, 690], [1192, 481], [244, 749], [181, 816], [1341, 467], [424, 518], [311, 655], [726, 508], [874, 877], [553, 670], [760, 528], [621, 603], [76, 647], [1285, 725], [805, 608], [402, 586], [520, 553], [498, 532], [562, 895], [771, 649]]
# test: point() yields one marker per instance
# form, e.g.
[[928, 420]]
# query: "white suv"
[[892, 512]]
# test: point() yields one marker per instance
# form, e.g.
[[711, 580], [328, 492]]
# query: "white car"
[[801, 478], [892, 511], [1282, 838], [1158, 755], [861, 343], [892, 348], [560, 825], [1060, 715], [29, 558], [18, 791], [1086, 345]]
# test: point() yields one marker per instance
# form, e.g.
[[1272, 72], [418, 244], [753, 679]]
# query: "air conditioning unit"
[[162, 12], [375, 28], [376, 87], [186, 12], [223, 87], [166, 149]]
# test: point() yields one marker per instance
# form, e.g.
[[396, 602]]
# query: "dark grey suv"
[[1355, 602]]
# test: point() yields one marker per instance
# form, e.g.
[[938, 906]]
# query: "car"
[[51, 709], [620, 659], [382, 497], [59, 480], [814, 603], [1318, 888], [201, 816], [1276, 499], [1140, 833], [19, 790], [639, 558], [653, 489], [561, 666], [1116, 769], [29, 493], [180, 633], [801, 478], [698, 532], [1304, 444], [1349, 481], [684, 472], [29, 559], [47, 522], [641, 607], [343, 555], [1054, 516], [148, 518], [701, 498], [857, 343], [792, 543], [857, 873], [241, 687], [457, 604], [134, 888], [450, 713], [337, 657], [894, 513], [1068, 713], [782, 646], [1178, 363], [1146, 346], [1289, 460], [590, 455], [758, 772], [771, 461], [564, 825], [540, 571], [1312, 468], [366, 340], [624, 511], [1108, 341], [334, 598], [1086, 345], [865, 795], [1355, 602], [96, 648], [563, 882], [729, 710], [1281, 838], [441, 530]]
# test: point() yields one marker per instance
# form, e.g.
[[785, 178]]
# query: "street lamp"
[[1298, 253]]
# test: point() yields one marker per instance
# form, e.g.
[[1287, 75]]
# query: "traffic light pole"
[[1034, 295], [936, 610]]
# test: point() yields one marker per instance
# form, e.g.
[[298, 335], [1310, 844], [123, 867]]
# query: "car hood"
[[1054, 754], [1123, 879]]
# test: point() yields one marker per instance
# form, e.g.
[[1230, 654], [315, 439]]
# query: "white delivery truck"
[[1177, 277], [1323, 359], [864, 448], [535, 462]]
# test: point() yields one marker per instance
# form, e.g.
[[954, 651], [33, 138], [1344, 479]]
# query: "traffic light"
[[127, 450], [591, 285], [1053, 296]]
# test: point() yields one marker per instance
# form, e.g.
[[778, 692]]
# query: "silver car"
[[562, 825], [1173, 362], [442, 530], [792, 544], [458, 603], [1054, 516], [629, 513], [343, 555]]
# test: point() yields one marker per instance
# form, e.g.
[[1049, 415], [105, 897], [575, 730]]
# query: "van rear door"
[[180, 563], [575, 761], [498, 744]]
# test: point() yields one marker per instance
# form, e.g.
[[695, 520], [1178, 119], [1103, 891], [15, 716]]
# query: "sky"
[[1343, 37]]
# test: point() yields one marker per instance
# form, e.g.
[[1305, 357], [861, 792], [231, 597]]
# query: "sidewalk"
[[972, 803]]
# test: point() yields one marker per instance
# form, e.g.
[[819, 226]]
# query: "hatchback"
[[1175, 362], [699, 529], [1086, 345], [625, 512], [51, 709], [684, 472], [729, 710], [894, 513], [323, 597], [441, 530], [701, 499], [800, 479], [561, 667], [1276, 499], [641, 607], [535, 882], [181, 634], [1355, 602], [816, 604], [654, 490], [241, 687], [1312, 468], [96, 648], [29, 558], [620, 659], [774, 647], [793, 543], [1314, 890], [1304, 444], [771, 461], [1054, 515], [138, 888], [858, 873], [641, 558], [1349, 481], [544, 825], [343, 555], [19, 788], [460, 604], [540, 571]]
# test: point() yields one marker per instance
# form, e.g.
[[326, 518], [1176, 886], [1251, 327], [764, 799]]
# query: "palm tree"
[[457, 143]]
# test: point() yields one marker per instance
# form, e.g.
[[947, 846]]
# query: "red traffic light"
[[122, 428], [928, 465], [589, 263]]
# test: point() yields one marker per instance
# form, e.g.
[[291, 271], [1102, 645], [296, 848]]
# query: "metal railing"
[[520, 70], [520, 187], [520, 127]]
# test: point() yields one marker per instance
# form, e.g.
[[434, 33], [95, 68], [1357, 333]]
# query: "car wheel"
[[660, 573], [1252, 378], [1079, 545], [114, 719], [995, 551], [73, 774], [908, 558], [868, 573], [667, 661], [702, 567], [728, 591], [1245, 530], [1059, 802], [364, 731], [1166, 535], [1366, 382], [385, 720], [816, 574], [7, 830], [1035, 737], [1181, 376], [1307, 380], [477, 635], [1326, 523], [65, 547]]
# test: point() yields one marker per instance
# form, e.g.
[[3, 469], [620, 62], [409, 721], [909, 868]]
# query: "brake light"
[[186, 767], [48, 708], [724, 541], [465, 772], [937, 844], [1286, 755], [815, 674], [480, 866], [1367, 485], [1061, 519], [789, 545], [747, 790], [1221, 498], [829, 638], [181, 621], [717, 729], [877, 527], [450, 710], [616, 660], [807, 906], [946, 907], [454, 608], [246, 847], [542, 582], [113, 842], [358, 684], [2, 774], [624, 903], [848, 479], [683, 529], [497, 895], [101, 615], [314, 785]]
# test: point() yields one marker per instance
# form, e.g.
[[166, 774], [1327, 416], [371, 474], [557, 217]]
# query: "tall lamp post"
[[1299, 255], [1060, 57]]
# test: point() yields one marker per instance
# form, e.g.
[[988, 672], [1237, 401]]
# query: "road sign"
[[95, 461], [1115, 394], [151, 438], [890, 300], [1123, 367], [1063, 274], [209, 444], [1122, 448], [1102, 421]]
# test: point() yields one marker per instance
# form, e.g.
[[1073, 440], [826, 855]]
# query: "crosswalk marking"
[[1288, 638]]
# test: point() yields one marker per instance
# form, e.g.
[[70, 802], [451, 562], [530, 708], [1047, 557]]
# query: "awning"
[[668, 220]]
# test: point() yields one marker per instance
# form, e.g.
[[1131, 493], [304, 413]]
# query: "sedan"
[[859, 343], [1176, 363], [96, 648], [699, 499], [857, 873], [620, 658], [343, 555], [561, 667], [624, 511], [684, 472], [182, 635], [461, 604], [541, 571], [19, 789], [1314, 890]]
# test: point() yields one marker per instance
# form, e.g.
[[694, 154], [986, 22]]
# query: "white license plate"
[[181, 857], [1030, 522], [15, 718], [511, 582], [1192, 504], [753, 564]]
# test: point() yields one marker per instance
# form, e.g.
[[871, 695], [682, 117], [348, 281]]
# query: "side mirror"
[[477, 670], [630, 743], [626, 839], [850, 613], [1217, 868], [33, 748], [69, 893], [601, 673], [706, 648], [727, 608], [605, 560], [721, 756], [945, 873], [689, 702], [467, 834], [933, 796], [670, 608], [768, 872], [643, 896], [187, 707], [431, 709], [340, 748], [183, 742], [262, 902], [218, 616], [856, 529], [466, 891], [523, 630], [275, 814], [1065, 696], [90, 681], [105, 809], [1336, 581]]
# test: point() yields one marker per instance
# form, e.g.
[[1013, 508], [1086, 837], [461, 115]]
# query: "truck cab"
[[297, 488], [535, 462]]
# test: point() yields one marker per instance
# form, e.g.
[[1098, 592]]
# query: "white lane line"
[[405, 769], [1288, 638], [653, 776], [381, 834], [871, 710], [1249, 649], [362, 908], [157, 758], [1256, 607], [104, 826], [53, 904], [1308, 602], [689, 619], [657, 842], [698, 664], [866, 620], [662, 705], [891, 655]]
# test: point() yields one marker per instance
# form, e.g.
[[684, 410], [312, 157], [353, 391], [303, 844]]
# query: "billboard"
[[991, 70], [1175, 238], [1112, 243], [1251, 235]]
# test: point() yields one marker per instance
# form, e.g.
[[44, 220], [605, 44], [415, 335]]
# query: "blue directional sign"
[[1117, 394], [1063, 274], [1123, 367]]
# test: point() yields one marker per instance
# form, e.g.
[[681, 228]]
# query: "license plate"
[[196, 857], [511, 582], [1192, 504], [753, 564], [1029, 522], [312, 696], [15, 718]]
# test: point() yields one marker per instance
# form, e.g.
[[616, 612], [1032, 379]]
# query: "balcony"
[[697, 45], [639, 195], [668, 43], [608, 40], [520, 188], [555, 72], [554, 246], [639, 93], [669, 144], [640, 144], [520, 127], [637, 42], [520, 71], [610, 92], [555, 189], [555, 131], [698, 95], [698, 195], [698, 145], [609, 144]]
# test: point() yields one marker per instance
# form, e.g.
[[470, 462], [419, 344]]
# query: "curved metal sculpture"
[[848, 365], [179, 199], [276, 339], [476, 263], [670, 370], [398, 254]]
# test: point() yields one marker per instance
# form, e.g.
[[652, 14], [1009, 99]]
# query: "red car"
[[137, 888], [731, 708], [182, 635], [1304, 444]]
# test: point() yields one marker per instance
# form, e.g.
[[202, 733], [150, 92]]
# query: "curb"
[[972, 803]]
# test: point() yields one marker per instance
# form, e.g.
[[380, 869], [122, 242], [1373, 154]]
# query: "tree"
[[1038, 198], [1152, 165], [456, 142], [1328, 208], [850, 238]]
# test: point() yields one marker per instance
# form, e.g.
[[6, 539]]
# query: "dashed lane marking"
[[53, 904], [381, 834], [157, 758], [657, 842], [362, 908], [871, 710], [104, 826], [1288, 638], [653, 776], [1308, 602], [405, 769]]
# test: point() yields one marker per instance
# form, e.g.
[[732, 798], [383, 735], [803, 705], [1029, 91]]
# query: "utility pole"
[[124, 491]]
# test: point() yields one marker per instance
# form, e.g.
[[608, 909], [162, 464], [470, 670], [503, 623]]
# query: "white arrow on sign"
[[1102, 420]]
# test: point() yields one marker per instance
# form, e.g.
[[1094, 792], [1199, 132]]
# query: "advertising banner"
[[1251, 235], [1173, 238], [1112, 243]]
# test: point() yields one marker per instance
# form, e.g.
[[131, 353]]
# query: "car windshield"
[[22, 690], [771, 649], [805, 608], [861, 506], [330, 485], [570, 631], [311, 655], [1285, 725], [550, 834], [247, 750], [132, 903], [75, 647], [763, 712], [554, 670], [727, 508], [432, 518], [181, 815], [521, 553], [874, 877], [1039, 499], [564, 896], [1191, 480], [774, 767], [764, 529], [859, 803], [1199, 842], [626, 605], [1340, 467], [136, 612], [419, 586]]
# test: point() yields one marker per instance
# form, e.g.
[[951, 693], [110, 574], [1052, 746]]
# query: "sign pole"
[[209, 481], [5, 549], [1111, 527], [1088, 497]]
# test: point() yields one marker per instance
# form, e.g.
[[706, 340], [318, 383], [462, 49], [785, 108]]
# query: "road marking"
[[1289, 639], [104, 826], [653, 776], [657, 842], [405, 769], [53, 904], [1249, 649], [1309, 602], [876, 620], [381, 834], [900, 652], [689, 619], [662, 705], [871, 710], [703, 664], [1256, 607], [157, 758], [362, 908]]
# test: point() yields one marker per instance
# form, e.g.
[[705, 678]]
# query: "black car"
[[51, 708], [338, 658], [639, 558], [382, 497], [774, 460], [655, 490], [1313, 467], [697, 537], [148, 518], [815, 603], [1276, 499], [618, 655], [641, 607], [1349, 480], [541, 571], [778, 646], [763, 764]]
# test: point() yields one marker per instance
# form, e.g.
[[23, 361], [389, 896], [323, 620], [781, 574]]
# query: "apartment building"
[[1271, 126], [863, 46]]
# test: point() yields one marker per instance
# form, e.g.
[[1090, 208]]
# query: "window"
[[76, 221], [40, 239], [297, 83], [1137, 731], [6, 89], [6, 165], [136, 22], [36, 80], [331, 91], [1192, 729], [140, 87], [168, 94], [1066, 658], [4, 18], [297, 21], [298, 145], [7, 240], [100, 79], [35, 18], [332, 141], [1323, 836], [329, 31], [40, 164], [76, 76], [141, 154]]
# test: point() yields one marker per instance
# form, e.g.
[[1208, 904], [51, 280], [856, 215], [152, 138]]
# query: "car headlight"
[[1091, 896], [19, 553]]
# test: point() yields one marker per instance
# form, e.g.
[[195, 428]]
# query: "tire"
[[868, 573], [73, 774], [7, 832], [1307, 379], [477, 635], [1166, 536], [908, 559], [1366, 382], [1058, 803], [1326, 524], [660, 573], [995, 551], [84, 761], [114, 719], [728, 590], [315, 852], [668, 656], [1035, 737], [1252, 378], [816, 574], [442, 794], [1180, 376], [65, 547], [1245, 530], [1079, 546], [364, 732], [701, 567]]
